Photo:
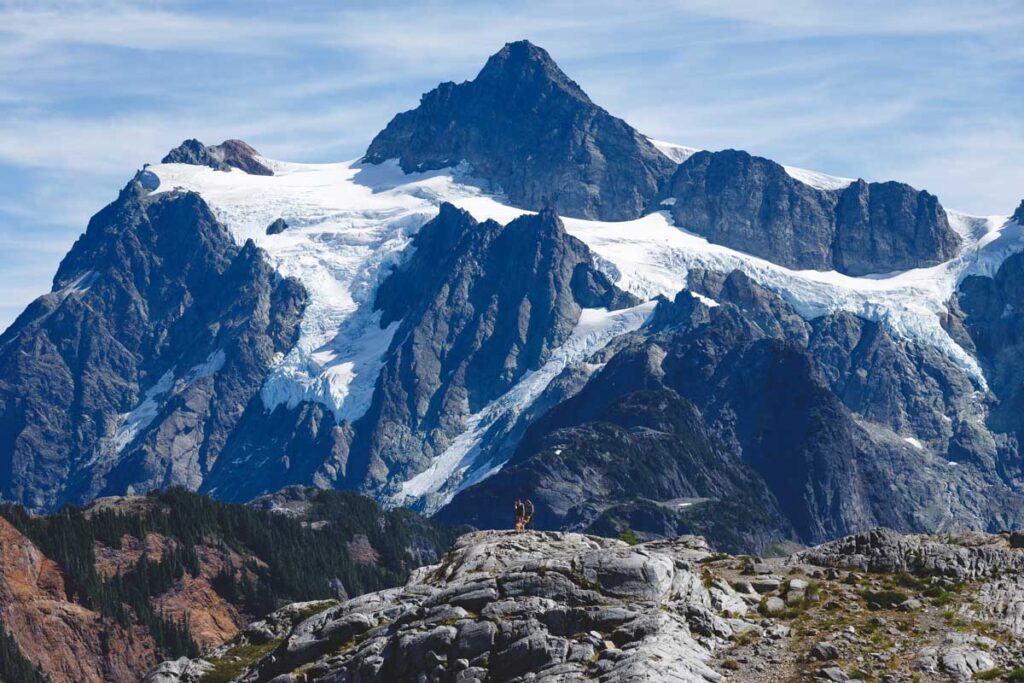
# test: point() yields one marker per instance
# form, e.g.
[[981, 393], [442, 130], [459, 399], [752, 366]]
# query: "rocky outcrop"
[[751, 204], [964, 557], [132, 372], [882, 227], [480, 305], [501, 606], [277, 227], [510, 607], [528, 129], [1018, 215], [223, 157]]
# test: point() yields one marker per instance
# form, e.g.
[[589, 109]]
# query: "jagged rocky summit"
[[526, 127], [536, 606], [134, 370]]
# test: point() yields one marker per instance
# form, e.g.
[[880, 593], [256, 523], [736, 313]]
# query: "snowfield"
[[348, 224]]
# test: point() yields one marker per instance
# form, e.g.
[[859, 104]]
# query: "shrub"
[[629, 536], [885, 598]]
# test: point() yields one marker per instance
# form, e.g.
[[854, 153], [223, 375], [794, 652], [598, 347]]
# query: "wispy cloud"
[[928, 92]]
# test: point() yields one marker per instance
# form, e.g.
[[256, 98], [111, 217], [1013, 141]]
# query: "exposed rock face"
[[752, 204], [970, 557], [277, 227], [206, 567], [69, 642], [523, 125], [480, 304], [115, 561], [909, 387], [797, 416], [992, 310], [194, 600], [1018, 215], [882, 227], [509, 607], [136, 367], [223, 157]]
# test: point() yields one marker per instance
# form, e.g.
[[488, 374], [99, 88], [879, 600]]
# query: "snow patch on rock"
[[457, 467], [820, 181], [134, 422]]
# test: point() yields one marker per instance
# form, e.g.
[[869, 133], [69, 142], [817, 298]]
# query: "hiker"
[[524, 514]]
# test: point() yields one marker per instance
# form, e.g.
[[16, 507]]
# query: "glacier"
[[351, 222]]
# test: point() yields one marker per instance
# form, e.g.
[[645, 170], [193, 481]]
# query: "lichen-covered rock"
[[545, 606]]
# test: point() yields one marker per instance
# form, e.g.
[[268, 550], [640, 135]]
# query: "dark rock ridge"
[[752, 204], [480, 304], [638, 464], [766, 427], [991, 311], [1018, 215], [135, 368], [524, 126], [509, 608], [223, 157]]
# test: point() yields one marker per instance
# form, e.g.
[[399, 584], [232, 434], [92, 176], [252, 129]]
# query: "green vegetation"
[[629, 536], [236, 660], [67, 538], [315, 608], [14, 667], [288, 559], [886, 599]]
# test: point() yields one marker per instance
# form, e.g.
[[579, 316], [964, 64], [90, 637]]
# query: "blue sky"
[[931, 93]]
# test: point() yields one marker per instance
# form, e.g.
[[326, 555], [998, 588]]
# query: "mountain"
[[754, 205], [131, 373], [525, 127], [678, 342], [106, 592], [751, 426], [502, 606]]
